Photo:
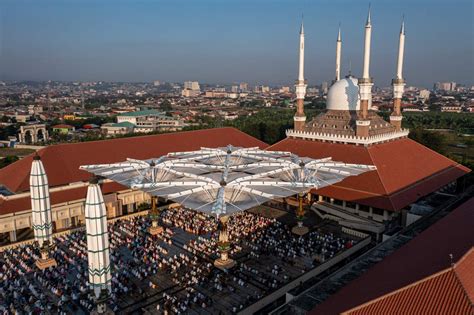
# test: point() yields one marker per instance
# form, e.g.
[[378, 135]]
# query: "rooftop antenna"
[[451, 260], [350, 67]]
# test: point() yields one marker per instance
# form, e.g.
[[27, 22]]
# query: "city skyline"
[[231, 42]]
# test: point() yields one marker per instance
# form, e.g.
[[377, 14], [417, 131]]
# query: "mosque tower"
[[398, 83], [300, 118], [98, 252], [347, 118], [365, 85], [41, 212], [338, 55]]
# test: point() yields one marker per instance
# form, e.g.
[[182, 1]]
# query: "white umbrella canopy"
[[221, 181]]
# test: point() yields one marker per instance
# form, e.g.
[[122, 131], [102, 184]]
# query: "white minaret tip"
[[338, 54], [368, 23], [301, 54], [402, 28], [302, 26]]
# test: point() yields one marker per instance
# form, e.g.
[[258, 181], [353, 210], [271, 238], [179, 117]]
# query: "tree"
[[433, 140], [9, 159], [166, 106]]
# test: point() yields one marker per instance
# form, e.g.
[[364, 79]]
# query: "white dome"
[[344, 95]]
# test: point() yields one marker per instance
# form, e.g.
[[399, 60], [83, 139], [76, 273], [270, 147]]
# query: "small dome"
[[344, 95]]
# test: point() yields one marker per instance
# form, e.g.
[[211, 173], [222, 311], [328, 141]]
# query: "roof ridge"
[[456, 276], [270, 146], [378, 175], [404, 288], [439, 154]]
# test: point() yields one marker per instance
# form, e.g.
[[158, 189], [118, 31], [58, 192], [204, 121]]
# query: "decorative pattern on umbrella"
[[225, 180]]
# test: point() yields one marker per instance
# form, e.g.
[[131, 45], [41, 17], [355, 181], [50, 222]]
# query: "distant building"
[[32, 134], [451, 109], [190, 93], [424, 95], [261, 89], [69, 117], [156, 83], [445, 86], [113, 129], [216, 94], [324, 87], [235, 89], [191, 89], [22, 117], [35, 109], [63, 128], [244, 87], [192, 85], [149, 121]]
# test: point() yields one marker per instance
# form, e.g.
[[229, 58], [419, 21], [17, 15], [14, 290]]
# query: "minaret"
[[41, 212], [365, 85], [398, 83], [338, 54], [98, 252], [300, 118]]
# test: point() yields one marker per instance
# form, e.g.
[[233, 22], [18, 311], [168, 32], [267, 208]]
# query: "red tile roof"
[[62, 161], [63, 126], [442, 293], [425, 255], [406, 170]]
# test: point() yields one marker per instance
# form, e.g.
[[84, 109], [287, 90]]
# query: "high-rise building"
[[445, 86], [324, 87], [192, 85], [156, 83], [244, 87], [235, 89]]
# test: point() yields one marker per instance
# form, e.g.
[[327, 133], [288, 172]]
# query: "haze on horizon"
[[231, 41]]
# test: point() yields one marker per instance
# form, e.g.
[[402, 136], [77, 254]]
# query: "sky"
[[227, 41]]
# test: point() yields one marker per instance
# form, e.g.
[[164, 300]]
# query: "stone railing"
[[347, 139], [354, 232]]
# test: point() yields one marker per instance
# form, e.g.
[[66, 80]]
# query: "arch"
[[40, 136], [28, 137]]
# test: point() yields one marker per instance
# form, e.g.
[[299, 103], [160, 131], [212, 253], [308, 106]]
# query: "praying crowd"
[[171, 272]]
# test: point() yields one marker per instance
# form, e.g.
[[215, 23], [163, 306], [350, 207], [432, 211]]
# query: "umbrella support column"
[[300, 229], [101, 304], [45, 261], [224, 262], [154, 229]]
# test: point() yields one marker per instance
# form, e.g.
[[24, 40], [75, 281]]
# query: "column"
[[12, 236], [300, 229], [154, 216], [365, 85], [98, 252], [398, 83], [300, 86], [224, 262], [41, 212]]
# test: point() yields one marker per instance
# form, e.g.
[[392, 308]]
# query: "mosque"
[[348, 131], [50, 188]]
